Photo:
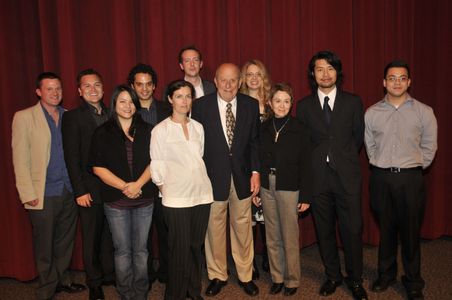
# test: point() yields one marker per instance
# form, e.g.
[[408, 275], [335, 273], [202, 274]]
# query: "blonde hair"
[[264, 91]]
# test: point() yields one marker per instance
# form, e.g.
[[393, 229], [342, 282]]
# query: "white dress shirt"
[[331, 95], [177, 165]]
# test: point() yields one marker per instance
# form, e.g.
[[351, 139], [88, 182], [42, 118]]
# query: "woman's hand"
[[132, 190], [302, 207], [257, 201]]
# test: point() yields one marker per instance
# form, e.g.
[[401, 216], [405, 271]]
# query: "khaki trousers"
[[241, 237], [282, 233]]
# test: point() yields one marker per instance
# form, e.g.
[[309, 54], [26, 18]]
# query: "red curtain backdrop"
[[111, 36]]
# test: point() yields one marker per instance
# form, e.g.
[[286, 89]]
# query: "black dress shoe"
[[289, 291], [215, 287], [276, 288], [382, 284], [329, 287], [71, 288], [96, 293], [414, 294], [359, 293], [249, 287]]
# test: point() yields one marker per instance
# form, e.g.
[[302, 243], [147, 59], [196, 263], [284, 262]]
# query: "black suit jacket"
[[343, 138], [78, 126], [243, 158], [290, 156]]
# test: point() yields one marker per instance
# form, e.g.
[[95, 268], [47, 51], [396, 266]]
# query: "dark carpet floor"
[[436, 270]]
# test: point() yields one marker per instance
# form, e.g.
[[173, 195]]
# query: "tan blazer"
[[31, 153]]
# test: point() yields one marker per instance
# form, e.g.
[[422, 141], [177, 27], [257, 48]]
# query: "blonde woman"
[[256, 83]]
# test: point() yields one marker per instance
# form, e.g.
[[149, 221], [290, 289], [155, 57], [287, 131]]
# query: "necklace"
[[278, 131]]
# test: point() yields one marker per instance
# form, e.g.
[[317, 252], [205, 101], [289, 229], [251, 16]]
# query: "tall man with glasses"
[[400, 138], [335, 121]]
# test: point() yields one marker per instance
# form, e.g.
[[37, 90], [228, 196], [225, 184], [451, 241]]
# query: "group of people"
[[194, 167]]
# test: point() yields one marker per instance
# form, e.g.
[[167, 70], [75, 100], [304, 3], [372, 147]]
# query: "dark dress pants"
[[335, 205], [98, 248], [162, 234], [53, 241], [398, 201], [186, 234]]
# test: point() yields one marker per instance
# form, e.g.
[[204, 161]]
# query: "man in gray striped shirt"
[[400, 139]]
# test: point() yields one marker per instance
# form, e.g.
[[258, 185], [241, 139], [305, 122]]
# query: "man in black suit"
[[231, 130], [335, 122], [78, 126], [143, 79]]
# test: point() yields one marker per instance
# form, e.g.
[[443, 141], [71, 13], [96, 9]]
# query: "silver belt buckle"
[[394, 170]]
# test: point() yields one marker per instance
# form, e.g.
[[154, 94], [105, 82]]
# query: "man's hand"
[[85, 200], [32, 202], [302, 207], [255, 183]]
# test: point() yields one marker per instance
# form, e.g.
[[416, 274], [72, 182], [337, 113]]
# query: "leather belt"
[[398, 170]]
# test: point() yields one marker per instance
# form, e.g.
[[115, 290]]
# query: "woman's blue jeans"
[[130, 230]]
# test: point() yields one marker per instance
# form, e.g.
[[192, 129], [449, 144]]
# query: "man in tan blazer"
[[44, 187]]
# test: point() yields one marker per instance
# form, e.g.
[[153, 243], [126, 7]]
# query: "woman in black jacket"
[[284, 188], [120, 157]]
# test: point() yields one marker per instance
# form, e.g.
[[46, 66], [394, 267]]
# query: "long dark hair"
[[136, 101], [330, 58]]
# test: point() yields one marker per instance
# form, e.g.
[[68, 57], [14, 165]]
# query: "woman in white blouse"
[[177, 167]]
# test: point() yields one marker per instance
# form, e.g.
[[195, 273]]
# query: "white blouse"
[[177, 166]]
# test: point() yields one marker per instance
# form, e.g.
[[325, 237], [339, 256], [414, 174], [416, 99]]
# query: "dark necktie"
[[327, 110], [230, 124]]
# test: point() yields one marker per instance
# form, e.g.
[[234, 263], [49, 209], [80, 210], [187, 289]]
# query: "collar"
[[222, 103], [408, 99], [331, 95]]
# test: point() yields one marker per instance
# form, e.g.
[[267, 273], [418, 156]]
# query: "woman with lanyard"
[[284, 188]]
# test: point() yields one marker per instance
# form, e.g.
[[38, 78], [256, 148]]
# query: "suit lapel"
[[317, 110], [87, 117], [239, 118], [216, 121], [338, 106]]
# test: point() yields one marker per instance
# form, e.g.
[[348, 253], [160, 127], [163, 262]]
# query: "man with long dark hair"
[[335, 122]]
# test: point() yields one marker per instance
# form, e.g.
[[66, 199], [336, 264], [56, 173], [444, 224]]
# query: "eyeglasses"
[[394, 79], [250, 75]]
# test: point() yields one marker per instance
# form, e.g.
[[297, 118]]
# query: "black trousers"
[[53, 241], [162, 233], [335, 205], [98, 248], [398, 201], [186, 234]]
